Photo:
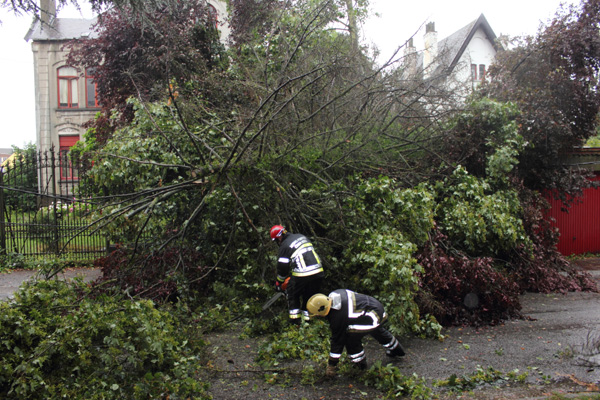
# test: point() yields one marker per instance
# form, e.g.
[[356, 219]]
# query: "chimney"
[[410, 58], [47, 11], [431, 48]]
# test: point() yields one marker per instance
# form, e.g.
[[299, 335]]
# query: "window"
[[67, 87], [91, 89], [213, 16], [67, 172], [477, 74], [474, 72]]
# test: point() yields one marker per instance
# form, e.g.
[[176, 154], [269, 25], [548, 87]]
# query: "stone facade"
[[56, 124]]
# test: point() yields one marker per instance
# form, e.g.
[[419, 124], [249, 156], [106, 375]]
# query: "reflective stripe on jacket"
[[352, 312], [297, 257]]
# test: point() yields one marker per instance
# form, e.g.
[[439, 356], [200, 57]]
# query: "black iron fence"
[[44, 208]]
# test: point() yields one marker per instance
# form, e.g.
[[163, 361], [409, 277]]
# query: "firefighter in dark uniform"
[[351, 317], [298, 260]]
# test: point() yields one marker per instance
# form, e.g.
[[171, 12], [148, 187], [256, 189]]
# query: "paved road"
[[10, 281], [559, 341]]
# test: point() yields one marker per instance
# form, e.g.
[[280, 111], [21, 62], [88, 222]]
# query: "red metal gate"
[[580, 226]]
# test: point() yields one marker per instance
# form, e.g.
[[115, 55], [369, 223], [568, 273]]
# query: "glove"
[[330, 371], [278, 287], [282, 286]]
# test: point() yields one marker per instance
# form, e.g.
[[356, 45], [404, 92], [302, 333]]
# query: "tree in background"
[[553, 79], [146, 59], [20, 173]]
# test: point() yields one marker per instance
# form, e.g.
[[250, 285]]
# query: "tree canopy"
[[398, 185], [553, 78]]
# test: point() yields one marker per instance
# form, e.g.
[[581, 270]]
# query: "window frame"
[[67, 172], [90, 80], [72, 85], [482, 71], [213, 15], [474, 72]]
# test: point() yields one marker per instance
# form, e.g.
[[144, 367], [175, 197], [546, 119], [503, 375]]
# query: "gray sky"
[[398, 21], [401, 19]]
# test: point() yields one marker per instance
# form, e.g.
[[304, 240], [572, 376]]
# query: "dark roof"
[[62, 29], [453, 47]]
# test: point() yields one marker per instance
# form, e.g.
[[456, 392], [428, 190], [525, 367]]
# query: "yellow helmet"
[[318, 305]]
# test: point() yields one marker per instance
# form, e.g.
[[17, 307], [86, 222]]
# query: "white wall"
[[223, 15], [478, 51]]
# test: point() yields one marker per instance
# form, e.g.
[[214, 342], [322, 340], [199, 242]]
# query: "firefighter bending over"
[[351, 317]]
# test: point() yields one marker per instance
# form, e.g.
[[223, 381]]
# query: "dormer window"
[[67, 87], [477, 72]]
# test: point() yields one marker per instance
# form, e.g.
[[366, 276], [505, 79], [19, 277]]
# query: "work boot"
[[361, 365], [331, 371], [396, 351]]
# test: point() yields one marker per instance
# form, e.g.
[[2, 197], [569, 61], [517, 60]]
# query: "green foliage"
[[45, 266], [394, 384], [135, 162], [594, 141], [484, 138], [140, 153], [482, 377], [381, 202], [389, 223], [14, 261], [389, 271], [304, 342], [21, 173], [478, 208], [59, 342], [478, 217]]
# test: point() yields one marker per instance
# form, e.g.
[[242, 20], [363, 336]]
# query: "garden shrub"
[[450, 275], [162, 275], [59, 343]]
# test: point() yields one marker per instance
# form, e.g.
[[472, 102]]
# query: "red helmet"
[[277, 231]]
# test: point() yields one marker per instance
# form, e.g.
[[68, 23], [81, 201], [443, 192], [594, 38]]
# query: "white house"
[[458, 62]]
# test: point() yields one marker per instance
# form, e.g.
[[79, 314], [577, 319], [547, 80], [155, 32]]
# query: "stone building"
[[65, 97]]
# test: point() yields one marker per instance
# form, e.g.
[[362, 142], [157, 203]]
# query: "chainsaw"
[[272, 300], [277, 295]]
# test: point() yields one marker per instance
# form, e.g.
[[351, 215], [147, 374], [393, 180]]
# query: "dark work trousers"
[[354, 346], [299, 290]]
